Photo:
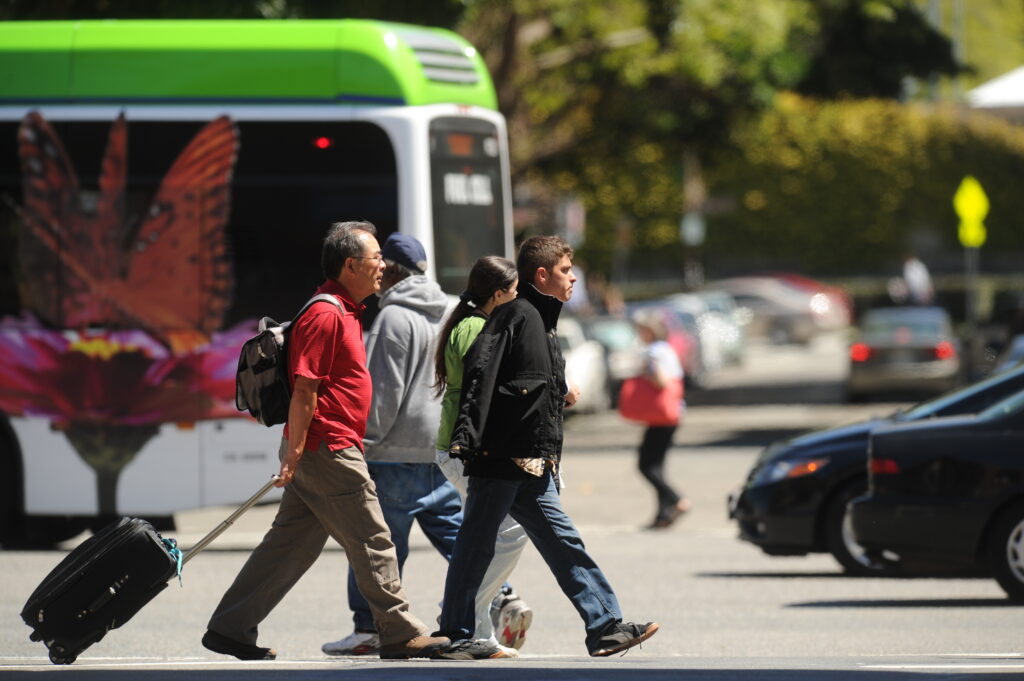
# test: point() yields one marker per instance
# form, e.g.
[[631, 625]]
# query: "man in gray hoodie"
[[403, 421]]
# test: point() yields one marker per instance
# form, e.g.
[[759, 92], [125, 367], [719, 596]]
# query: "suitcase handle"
[[229, 521]]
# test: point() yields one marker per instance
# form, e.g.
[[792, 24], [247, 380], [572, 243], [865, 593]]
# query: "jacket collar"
[[549, 307]]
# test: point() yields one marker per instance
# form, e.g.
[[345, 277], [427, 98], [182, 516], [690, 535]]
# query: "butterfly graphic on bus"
[[89, 264]]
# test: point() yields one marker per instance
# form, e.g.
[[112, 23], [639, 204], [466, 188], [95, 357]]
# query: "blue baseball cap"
[[405, 250]]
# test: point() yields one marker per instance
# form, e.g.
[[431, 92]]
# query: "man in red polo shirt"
[[328, 490]]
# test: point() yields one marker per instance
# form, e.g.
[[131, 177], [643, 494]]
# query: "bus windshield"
[[465, 173]]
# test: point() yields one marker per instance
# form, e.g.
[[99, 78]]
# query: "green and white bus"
[[164, 185]]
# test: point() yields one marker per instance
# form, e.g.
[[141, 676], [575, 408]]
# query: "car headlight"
[[778, 470]]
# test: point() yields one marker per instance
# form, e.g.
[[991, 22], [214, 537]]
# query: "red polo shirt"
[[327, 344]]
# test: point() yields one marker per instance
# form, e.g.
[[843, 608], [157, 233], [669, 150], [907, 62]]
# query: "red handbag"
[[641, 400]]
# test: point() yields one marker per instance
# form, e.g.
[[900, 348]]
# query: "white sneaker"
[[514, 618], [507, 652], [356, 643]]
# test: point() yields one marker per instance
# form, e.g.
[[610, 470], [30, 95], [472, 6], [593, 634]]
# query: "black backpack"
[[262, 385]]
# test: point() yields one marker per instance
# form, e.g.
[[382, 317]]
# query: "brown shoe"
[[419, 646]]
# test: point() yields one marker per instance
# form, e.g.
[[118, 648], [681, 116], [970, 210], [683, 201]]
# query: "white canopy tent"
[[1003, 96]]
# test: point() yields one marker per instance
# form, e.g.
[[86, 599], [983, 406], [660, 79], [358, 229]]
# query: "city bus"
[[165, 184]]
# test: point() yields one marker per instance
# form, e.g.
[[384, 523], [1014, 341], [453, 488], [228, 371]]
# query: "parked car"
[[720, 336], [904, 349], [683, 336], [777, 311], [794, 499], [831, 305], [730, 321], [584, 365], [1011, 356], [623, 350], [950, 491]]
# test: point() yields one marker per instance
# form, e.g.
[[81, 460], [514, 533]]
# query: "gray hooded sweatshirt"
[[400, 356]]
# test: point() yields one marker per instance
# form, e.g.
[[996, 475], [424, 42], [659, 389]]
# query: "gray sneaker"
[[356, 643], [470, 649], [623, 636]]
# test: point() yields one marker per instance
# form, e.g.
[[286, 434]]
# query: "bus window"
[[287, 190], [465, 175]]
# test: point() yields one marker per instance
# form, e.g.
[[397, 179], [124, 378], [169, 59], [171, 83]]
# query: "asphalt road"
[[726, 610]]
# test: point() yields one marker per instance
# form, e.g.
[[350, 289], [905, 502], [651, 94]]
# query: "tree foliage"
[[815, 184], [604, 100], [433, 13], [869, 48]]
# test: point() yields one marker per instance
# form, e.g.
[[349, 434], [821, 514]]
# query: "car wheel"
[[839, 539], [854, 397], [780, 334], [1006, 551]]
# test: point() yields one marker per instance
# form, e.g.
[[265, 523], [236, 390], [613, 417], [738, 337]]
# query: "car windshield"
[[945, 403], [917, 323], [1008, 406]]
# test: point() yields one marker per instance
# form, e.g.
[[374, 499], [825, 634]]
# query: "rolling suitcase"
[[104, 581]]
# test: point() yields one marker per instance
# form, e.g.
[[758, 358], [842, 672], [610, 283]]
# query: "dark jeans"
[[410, 492], [534, 503], [653, 449]]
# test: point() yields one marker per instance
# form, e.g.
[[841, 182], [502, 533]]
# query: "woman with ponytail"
[[492, 282]]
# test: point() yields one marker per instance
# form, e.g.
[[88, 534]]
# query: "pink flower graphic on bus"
[[158, 281], [109, 391]]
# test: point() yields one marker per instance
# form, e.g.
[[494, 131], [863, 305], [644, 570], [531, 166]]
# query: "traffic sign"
[[971, 204]]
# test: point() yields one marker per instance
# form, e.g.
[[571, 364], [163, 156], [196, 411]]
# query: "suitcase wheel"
[[58, 655]]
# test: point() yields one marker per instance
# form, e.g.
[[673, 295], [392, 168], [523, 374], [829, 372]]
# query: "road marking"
[[98, 663], [958, 666]]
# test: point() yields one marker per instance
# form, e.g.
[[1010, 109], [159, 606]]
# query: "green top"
[[348, 61], [459, 341]]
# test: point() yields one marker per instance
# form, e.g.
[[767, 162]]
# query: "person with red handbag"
[[656, 398]]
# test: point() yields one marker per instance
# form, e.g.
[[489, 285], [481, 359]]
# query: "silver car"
[[904, 349]]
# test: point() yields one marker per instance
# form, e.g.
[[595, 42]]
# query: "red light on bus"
[[460, 145], [323, 142], [860, 352]]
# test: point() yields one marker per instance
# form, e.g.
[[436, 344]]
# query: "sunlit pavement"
[[726, 610]]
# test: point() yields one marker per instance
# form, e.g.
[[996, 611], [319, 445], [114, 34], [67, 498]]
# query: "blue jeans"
[[408, 492], [507, 549], [534, 503]]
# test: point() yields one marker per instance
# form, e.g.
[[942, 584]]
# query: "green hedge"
[[841, 187]]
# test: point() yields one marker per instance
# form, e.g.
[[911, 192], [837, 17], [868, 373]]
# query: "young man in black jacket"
[[509, 436]]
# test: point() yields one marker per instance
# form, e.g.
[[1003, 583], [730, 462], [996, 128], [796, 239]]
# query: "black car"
[[795, 496], [950, 491]]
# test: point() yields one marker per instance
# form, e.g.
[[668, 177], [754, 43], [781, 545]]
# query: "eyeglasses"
[[378, 257]]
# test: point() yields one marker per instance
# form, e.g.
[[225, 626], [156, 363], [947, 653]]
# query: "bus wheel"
[[48, 531], [17, 530], [40, 532], [11, 518]]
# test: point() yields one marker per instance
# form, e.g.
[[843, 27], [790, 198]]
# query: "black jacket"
[[513, 386]]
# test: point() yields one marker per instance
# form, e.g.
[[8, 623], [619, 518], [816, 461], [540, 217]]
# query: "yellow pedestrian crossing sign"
[[971, 205]]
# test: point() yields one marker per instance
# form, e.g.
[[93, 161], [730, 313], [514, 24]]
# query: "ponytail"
[[489, 274]]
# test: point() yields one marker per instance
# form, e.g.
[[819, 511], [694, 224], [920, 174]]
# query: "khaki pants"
[[331, 495]]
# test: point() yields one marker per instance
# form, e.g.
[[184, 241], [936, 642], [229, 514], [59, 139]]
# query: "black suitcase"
[[104, 581]]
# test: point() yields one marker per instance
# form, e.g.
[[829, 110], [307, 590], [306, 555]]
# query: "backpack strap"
[[324, 297]]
